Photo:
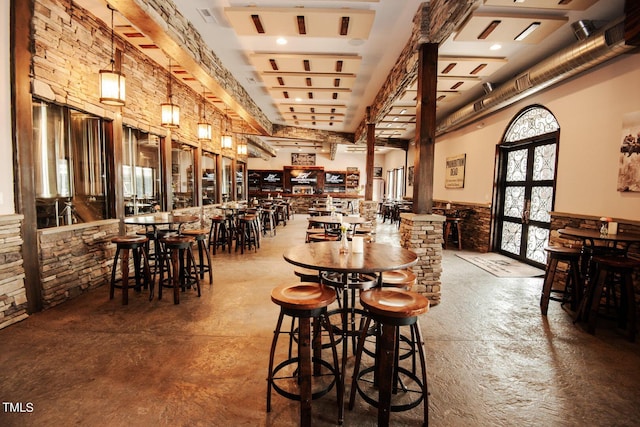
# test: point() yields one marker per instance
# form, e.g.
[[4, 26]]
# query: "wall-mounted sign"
[[303, 159], [454, 170]]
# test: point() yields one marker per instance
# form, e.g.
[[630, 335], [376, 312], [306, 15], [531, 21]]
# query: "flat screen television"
[[331, 178]]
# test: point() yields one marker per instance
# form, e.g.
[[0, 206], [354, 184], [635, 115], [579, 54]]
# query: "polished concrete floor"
[[493, 360]]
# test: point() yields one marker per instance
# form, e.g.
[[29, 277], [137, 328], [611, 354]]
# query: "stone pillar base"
[[369, 211], [422, 234]]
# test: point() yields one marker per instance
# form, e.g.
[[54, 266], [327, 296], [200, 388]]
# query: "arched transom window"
[[530, 123]]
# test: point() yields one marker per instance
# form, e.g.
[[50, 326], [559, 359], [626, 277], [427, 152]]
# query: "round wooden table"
[[326, 256]]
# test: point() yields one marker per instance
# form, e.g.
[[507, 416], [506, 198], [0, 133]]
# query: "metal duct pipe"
[[581, 56], [582, 29]]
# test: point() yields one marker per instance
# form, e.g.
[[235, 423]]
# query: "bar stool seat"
[[179, 257], [391, 308], [607, 267], [573, 289], [304, 301], [135, 244], [322, 237], [402, 279], [204, 260]]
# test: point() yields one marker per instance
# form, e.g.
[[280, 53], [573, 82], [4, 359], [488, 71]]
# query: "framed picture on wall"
[[410, 176], [377, 172], [454, 169], [303, 159], [629, 164]]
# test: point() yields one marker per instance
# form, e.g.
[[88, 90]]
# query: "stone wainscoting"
[[75, 259], [13, 296], [476, 224]]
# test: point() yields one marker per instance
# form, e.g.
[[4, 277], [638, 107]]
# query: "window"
[[240, 189], [141, 171], [70, 177], [226, 179], [208, 178], [182, 175], [399, 193]]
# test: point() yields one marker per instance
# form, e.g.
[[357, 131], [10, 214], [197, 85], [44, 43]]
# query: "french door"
[[526, 190]]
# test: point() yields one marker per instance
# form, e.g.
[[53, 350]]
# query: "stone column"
[[422, 234], [369, 211]]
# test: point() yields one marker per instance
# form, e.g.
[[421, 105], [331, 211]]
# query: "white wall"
[[589, 110], [6, 150]]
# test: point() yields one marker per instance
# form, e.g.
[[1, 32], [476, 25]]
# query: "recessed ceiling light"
[[496, 46], [404, 110], [298, 99], [281, 41], [530, 29]]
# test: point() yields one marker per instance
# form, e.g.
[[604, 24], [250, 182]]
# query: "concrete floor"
[[493, 360]]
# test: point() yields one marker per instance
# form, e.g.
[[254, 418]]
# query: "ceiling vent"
[[207, 15]]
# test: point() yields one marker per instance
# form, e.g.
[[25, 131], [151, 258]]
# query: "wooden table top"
[[326, 256], [591, 235], [161, 220], [334, 220]]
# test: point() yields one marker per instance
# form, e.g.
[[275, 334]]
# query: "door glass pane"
[[536, 240], [182, 175], [141, 171], [544, 162], [514, 202], [208, 178], [240, 193], [511, 237], [227, 177], [516, 165], [541, 198]]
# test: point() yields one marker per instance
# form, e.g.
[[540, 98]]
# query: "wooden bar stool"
[[214, 232], [248, 234], [204, 260], [304, 301], [453, 224], [178, 257], [135, 244], [608, 269], [391, 308], [401, 279], [573, 289]]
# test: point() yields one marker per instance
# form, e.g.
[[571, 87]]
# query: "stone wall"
[[422, 234], [71, 46], [75, 259], [13, 297], [476, 224]]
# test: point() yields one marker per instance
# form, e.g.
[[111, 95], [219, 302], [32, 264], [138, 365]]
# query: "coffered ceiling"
[[320, 63]]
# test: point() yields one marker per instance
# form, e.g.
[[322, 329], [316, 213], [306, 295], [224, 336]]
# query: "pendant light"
[[242, 143], [112, 81], [170, 111], [204, 128], [226, 141]]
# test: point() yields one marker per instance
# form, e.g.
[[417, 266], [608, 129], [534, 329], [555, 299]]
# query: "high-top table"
[[591, 240], [160, 219], [326, 256]]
